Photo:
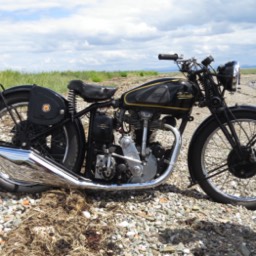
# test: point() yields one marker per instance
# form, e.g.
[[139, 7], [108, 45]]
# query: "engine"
[[125, 149]]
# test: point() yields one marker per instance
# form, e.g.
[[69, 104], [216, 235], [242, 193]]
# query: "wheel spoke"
[[216, 168], [223, 141], [216, 174], [224, 181], [252, 141]]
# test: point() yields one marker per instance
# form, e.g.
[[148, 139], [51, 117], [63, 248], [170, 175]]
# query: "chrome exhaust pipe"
[[19, 166]]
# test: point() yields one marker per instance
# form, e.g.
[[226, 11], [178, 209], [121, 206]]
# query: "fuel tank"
[[167, 95]]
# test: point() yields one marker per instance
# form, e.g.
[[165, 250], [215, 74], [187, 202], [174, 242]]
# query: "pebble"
[[12, 209], [123, 224], [87, 214], [244, 250]]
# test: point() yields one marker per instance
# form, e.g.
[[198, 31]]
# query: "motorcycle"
[[43, 142]]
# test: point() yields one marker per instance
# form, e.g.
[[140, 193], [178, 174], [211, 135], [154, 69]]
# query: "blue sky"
[[123, 35]]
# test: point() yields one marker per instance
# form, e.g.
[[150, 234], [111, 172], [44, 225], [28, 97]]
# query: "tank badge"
[[184, 95], [46, 108]]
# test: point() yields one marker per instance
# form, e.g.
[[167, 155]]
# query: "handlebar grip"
[[168, 56]]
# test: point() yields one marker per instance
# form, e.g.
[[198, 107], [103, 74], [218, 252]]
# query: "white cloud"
[[110, 34], [14, 5]]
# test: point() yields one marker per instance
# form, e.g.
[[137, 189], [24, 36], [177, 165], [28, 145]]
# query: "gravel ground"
[[168, 220]]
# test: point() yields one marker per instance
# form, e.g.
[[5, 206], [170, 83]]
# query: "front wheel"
[[221, 173]]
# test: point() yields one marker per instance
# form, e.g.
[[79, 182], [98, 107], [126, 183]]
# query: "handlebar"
[[162, 56], [188, 65], [168, 56]]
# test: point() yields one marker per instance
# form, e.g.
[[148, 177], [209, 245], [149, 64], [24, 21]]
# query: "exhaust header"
[[25, 167]]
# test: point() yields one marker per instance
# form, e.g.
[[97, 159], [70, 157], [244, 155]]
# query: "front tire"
[[216, 167], [63, 145]]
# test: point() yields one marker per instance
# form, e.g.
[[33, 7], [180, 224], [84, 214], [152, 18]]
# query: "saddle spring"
[[72, 103]]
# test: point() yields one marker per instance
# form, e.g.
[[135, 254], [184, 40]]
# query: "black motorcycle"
[[131, 142]]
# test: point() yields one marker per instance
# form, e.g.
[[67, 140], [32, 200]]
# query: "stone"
[[168, 249], [244, 250], [87, 214]]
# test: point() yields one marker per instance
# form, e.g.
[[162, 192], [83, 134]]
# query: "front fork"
[[229, 130]]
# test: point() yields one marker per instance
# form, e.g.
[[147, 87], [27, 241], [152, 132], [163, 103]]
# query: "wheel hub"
[[242, 167]]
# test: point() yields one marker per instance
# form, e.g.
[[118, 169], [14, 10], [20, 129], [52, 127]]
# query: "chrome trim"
[[18, 165], [126, 158]]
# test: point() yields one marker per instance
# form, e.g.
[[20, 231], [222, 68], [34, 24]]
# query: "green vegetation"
[[249, 71], [58, 81]]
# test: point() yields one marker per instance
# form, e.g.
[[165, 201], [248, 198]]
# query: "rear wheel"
[[62, 145], [221, 173]]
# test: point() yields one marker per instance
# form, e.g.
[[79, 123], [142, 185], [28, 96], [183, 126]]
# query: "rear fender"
[[203, 125], [46, 107], [16, 89]]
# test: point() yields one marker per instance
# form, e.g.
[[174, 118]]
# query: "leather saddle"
[[91, 92]]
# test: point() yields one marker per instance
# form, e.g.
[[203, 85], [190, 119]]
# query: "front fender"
[[203, 125]]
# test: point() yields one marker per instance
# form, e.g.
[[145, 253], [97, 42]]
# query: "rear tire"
[[210, 155], [63, 145]]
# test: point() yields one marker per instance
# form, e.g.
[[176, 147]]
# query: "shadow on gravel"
[[147, 194], [211, 238], [187, 192]]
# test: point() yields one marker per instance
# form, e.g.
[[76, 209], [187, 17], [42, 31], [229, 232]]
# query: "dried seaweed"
[[57, 226]]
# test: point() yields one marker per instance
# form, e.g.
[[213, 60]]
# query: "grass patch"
[[248, 71], [58, 81]]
